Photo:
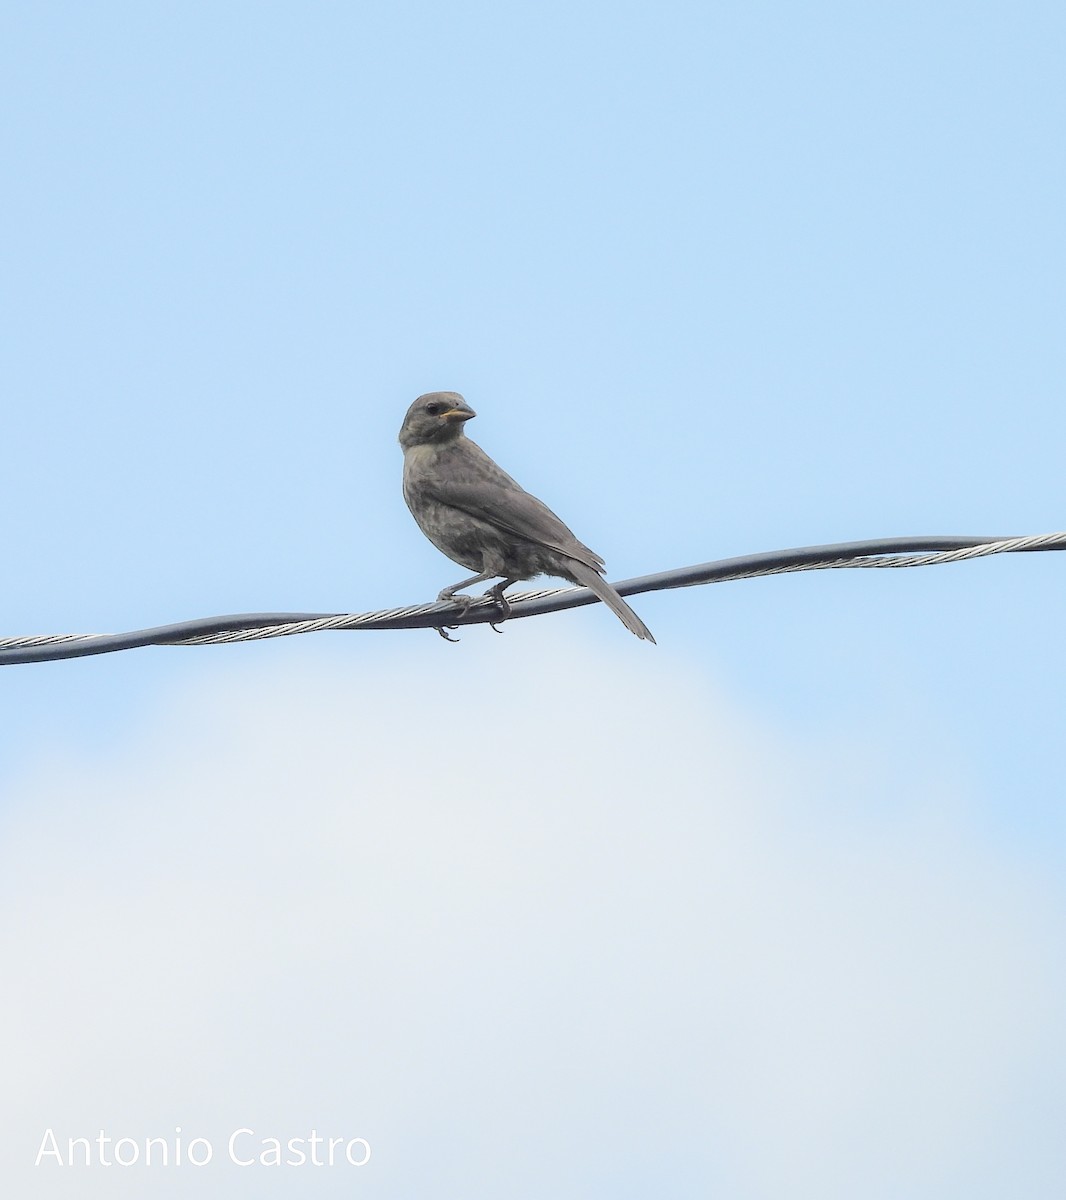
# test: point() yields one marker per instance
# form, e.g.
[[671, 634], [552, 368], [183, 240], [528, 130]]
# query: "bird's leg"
[[447, 596], [502, 603]]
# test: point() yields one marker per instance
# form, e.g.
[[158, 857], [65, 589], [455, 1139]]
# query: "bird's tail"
[[595, 582]]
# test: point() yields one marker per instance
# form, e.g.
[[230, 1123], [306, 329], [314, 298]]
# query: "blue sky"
[[717, 279]]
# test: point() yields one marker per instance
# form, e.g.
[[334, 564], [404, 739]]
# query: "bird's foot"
[[461, 602], [502, 603]]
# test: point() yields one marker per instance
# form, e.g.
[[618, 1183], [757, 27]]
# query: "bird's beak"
[[458, 414]]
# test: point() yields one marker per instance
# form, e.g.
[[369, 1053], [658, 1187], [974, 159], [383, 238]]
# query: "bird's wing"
[[491, 495]]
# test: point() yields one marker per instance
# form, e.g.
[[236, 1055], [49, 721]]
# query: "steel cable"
[[882, 552]]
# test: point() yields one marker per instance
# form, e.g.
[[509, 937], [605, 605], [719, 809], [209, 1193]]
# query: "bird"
[[475, 513]]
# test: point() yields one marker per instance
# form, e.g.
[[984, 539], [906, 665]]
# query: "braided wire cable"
[[882, 552]]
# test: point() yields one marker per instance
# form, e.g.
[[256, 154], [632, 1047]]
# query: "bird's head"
[[435, 417]]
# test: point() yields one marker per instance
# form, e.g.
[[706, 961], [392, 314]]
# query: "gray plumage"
[[479, 517]]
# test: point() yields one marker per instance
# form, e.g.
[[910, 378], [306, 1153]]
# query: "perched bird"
[[477, 515]]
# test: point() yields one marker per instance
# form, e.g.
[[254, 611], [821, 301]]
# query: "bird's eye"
[[433, 409]]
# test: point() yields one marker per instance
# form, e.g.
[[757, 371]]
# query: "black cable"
[[433, 616]]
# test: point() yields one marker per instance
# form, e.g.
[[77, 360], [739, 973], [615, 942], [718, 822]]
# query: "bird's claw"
[[502, 603], [461, 602]]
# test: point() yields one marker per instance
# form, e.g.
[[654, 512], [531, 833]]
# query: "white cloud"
[[564, 925]]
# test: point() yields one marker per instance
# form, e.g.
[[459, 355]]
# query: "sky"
[[774, 906]]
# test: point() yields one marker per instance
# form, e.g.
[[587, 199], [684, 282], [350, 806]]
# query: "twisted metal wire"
[[882, 552]]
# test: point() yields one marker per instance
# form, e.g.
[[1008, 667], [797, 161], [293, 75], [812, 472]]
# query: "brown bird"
[[480, 518]]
